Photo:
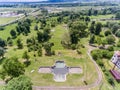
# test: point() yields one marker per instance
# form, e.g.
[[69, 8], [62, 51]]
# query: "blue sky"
[[20, 0]]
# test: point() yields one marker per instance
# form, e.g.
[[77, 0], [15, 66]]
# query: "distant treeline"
[[57, 4]]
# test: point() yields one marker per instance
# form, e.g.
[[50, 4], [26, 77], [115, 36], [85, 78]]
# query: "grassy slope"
[[4, 20]]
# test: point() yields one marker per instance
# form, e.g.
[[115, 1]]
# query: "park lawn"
[[102, 16], [4, 20], [57, 34], [4, 34], [69, 56], [72, 80]]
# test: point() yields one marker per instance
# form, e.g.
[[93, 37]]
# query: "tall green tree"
[[20, 83], [19, 44], [77, 30], [13, 33], [2, 43], [117, 15], [98, 28], [47, 47], [92, 39], [25, 55], [13, 68], [2, 52]]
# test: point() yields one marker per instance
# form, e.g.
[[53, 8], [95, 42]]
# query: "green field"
[[71, 57], [4, 20]]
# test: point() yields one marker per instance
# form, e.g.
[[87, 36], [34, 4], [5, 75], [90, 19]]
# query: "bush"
[[79, 51], [107, 54], [110, 48], [27, 63], [96, 54], [107, 32], [117, 33], [1, 28], [73, 46], [100, 63], [110, 39], [118, 44]]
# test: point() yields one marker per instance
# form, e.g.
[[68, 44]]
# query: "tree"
[[36, 27], [89, 12], [40, 36], [2, 43], [19, 44], [2, 52], [25, 55], [96, 54], [87, 19], [77, 30], [98, 28], [13, 33], [47, 47], [117, 33], [39, 50], [13, 67], [110, 39], [92, 39], [115, 28], [95, 12], [107, 32], [98, 40], [92, 28], [20, 83], [117, 16]]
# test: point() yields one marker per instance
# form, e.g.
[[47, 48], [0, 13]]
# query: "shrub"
[[117, 33], [79, 51], [96, 54], [107, 32], [110, 48], [110, 39]]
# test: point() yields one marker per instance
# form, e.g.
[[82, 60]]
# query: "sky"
[[21, 0]]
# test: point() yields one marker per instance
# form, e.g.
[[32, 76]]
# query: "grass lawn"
[[4, 20], [69, 56], [102, 16]]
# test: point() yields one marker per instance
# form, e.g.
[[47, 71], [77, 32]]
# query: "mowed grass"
[[70, 57], [72, 80], [102, 16], [4, 20]]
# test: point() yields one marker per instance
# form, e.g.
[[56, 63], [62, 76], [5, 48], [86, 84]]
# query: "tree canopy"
[[20, 83], [13, 67]]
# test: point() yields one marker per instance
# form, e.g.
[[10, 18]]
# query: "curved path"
[[86, 87]]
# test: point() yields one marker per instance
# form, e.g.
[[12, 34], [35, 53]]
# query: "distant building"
[[116, 61], [116, 58]]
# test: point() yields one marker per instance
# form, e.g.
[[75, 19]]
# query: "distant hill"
[[82, 0]]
